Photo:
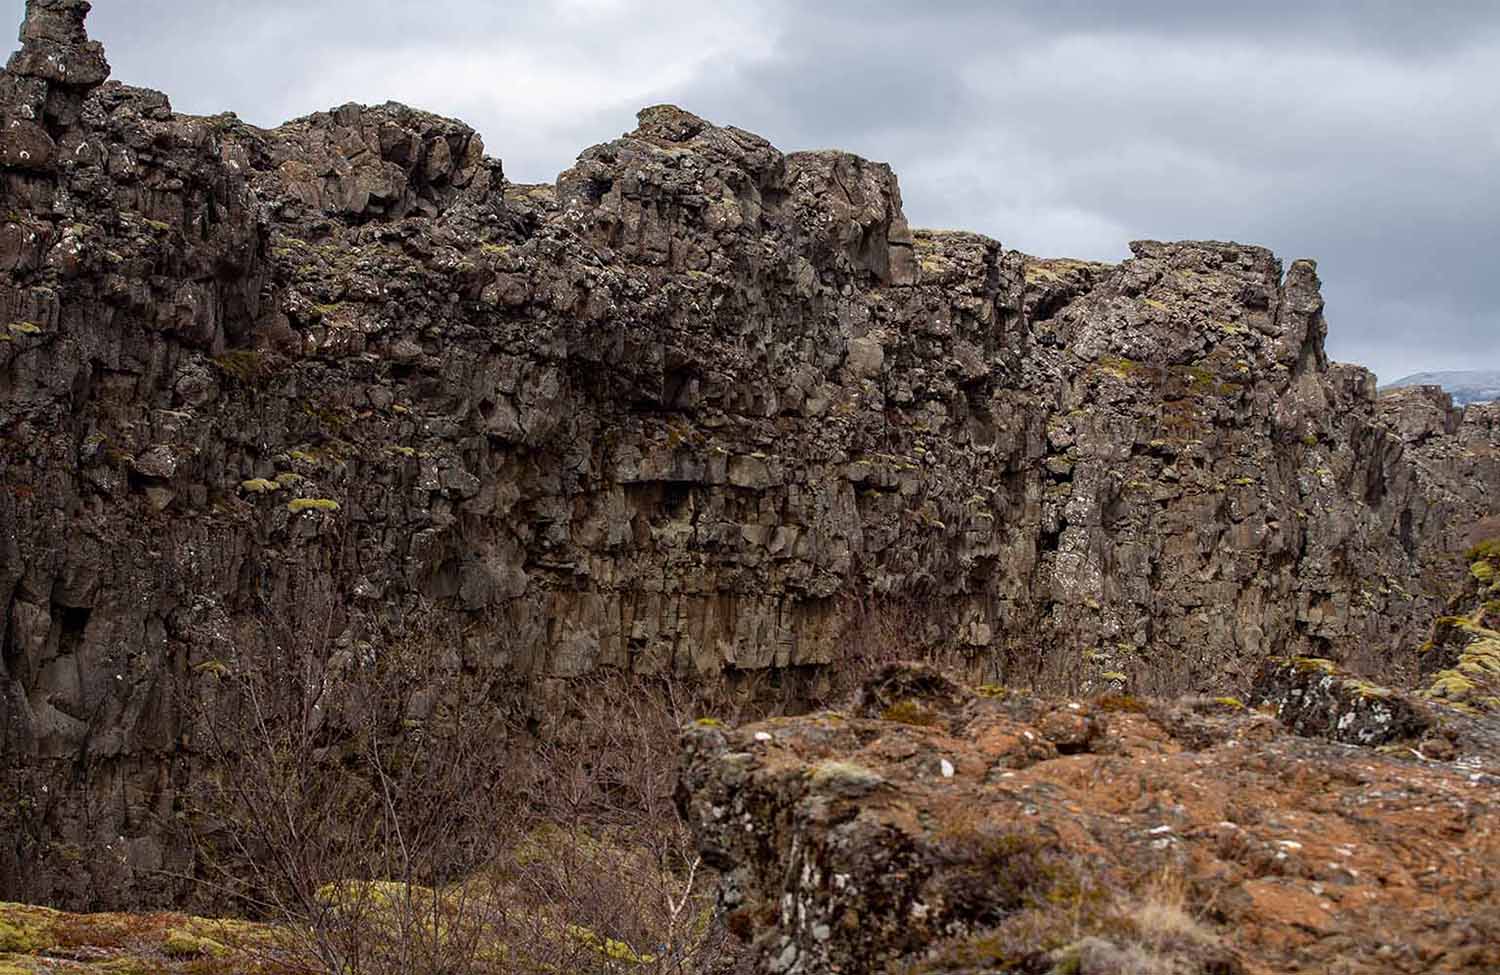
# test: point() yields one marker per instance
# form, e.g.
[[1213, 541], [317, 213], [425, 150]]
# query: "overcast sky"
[[1366, 135]]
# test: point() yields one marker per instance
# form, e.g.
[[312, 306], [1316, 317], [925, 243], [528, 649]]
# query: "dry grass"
[[1161, 916], [1058, 917]]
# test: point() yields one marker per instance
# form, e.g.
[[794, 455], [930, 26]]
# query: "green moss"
[[709, 723], [1232, 703], [1119, 367], [128, 965], [258, 485], [550, 844], [334, 418], [378, 895], [1465, 625], [128, 944], [1071, 964], [287, 479], [184, 944], [1367, 690], [1487, 550], [247, 366], [1450, 684], [1127, 703], [932, 266], [910, 712], [304, 457], [299, 505], [610, 948], [25, 930], [25, 328]]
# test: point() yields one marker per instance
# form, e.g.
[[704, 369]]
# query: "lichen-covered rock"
[[1198, 837], [699, 407], [1312, 697]]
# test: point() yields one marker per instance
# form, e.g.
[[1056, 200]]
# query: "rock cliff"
[[699, 407]]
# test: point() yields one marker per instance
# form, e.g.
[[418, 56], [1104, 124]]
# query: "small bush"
[[381, 805]]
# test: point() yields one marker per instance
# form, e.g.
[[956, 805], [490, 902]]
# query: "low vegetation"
[[387, 810]]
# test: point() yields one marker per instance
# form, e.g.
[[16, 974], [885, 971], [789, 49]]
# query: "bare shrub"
[[344, 786], [397, 811]]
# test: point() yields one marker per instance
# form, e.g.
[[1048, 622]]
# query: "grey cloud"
[[1364, 135]]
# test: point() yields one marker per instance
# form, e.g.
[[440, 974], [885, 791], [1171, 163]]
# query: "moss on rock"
[[298, 505]]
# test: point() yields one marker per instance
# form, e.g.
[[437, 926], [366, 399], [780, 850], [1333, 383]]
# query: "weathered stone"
[[1312, 698], [55, 46], [1197, 837]]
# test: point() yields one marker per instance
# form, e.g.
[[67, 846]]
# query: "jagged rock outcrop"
[[698, 407], [956, 831]]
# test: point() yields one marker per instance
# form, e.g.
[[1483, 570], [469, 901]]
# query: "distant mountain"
[[1479, 386]]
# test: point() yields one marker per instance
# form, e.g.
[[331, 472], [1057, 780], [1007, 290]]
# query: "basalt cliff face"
[[699, 407]]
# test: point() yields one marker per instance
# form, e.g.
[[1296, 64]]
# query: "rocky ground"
[[935, 827]]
